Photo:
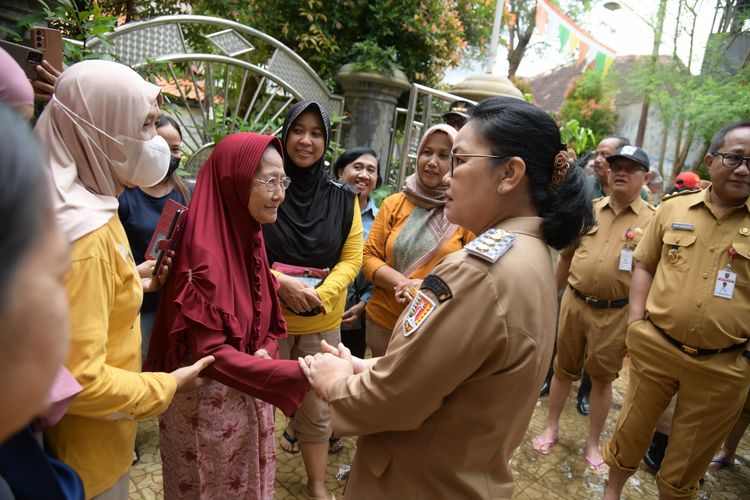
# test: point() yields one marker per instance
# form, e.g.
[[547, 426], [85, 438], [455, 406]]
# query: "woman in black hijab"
[[318, 226]]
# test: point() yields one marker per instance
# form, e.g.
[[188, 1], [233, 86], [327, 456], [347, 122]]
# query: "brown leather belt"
[[697, 351], [602, 304]]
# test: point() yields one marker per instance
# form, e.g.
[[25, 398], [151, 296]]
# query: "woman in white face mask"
[[99, 132]]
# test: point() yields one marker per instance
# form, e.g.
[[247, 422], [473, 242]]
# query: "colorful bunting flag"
[[572, 36]]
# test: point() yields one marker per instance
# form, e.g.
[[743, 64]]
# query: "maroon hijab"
[[220, 277]]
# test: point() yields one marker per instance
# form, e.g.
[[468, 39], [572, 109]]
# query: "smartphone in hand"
[[50, 42], [26, 57], [170, 235]]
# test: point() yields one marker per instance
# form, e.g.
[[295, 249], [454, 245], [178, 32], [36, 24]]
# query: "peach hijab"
[[91, 95]]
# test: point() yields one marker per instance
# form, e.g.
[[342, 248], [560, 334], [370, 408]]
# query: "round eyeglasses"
[[732, 160], [273, 183]]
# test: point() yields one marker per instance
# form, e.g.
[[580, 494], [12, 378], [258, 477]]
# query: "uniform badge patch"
[[419, 310], [438, 287]]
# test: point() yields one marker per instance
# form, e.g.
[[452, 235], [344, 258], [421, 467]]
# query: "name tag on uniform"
[[725, 282], [626, 260], [683, 226]]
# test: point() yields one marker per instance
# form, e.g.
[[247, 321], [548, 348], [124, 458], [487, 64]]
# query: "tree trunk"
[[676, 30], [130, 12], [643, 122], [515, 55], [663, 149], [678, 142], [680, 162]]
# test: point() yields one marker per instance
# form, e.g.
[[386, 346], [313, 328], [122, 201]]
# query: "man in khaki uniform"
[[441, 413], [595, 274], [688, 328]]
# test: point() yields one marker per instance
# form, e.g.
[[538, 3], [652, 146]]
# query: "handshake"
[[329, 365]]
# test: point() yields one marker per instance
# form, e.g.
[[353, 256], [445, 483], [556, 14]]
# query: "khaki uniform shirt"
[[442, 412], [594, 270], [686, 246]]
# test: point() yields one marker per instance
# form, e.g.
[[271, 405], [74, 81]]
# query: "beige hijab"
[[111, 97]]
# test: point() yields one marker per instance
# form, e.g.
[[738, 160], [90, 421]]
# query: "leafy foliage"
[[698, 104], [369, 56], [581, 139], [423, 38], [590, 102], [80, 23]]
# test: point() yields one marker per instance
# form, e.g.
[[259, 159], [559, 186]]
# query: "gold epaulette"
[[680, 193]]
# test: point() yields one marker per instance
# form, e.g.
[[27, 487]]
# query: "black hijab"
[[315, 218]]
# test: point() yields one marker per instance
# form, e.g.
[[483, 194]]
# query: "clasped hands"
[[329, 365], [406, 290]]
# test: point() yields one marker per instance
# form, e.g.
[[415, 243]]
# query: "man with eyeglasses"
[[596, 273], [688, 330]]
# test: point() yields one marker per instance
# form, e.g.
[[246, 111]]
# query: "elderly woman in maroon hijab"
[[220, 299]]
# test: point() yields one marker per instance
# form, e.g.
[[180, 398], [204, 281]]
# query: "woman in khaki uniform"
[[442, 411]]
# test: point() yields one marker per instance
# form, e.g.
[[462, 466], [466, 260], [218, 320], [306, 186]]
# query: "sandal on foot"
[[542, 446], [719, 463], [335, 445], [289, 443], [308, 496], [598, 467]]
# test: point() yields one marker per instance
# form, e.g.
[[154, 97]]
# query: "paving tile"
[[562, 474]]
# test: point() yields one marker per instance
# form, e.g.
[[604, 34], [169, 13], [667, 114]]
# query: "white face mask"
[[147, 162]]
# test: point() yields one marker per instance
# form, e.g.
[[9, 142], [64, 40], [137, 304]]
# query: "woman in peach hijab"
[[409, 236], [99, 131]]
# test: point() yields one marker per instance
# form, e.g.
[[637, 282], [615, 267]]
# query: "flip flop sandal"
[[543, 447], [335, 445], [719, 463], [308, 496], [596, 466], [289, 443]]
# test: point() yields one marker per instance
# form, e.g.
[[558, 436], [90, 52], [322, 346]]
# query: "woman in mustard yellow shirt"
[[318, 226], [99, 133], [409, 236]]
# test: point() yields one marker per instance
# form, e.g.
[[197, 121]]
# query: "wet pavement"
[[563, 474]]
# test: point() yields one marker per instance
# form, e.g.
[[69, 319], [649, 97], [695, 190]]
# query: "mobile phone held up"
[[26, 57], [50, 42], [167, 230]]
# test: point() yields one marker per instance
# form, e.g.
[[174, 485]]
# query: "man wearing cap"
[[605, 149], [598, 186], [596, 273], [688, 329], [458, 113]]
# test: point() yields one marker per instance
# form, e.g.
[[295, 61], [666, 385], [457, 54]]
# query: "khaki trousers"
[[589, 338], [710, 391], [312, 421], [377, 337]]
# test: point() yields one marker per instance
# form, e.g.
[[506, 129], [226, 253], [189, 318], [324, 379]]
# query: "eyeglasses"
[[272, 183], [628, 169], [452, 158], [732, 160]]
